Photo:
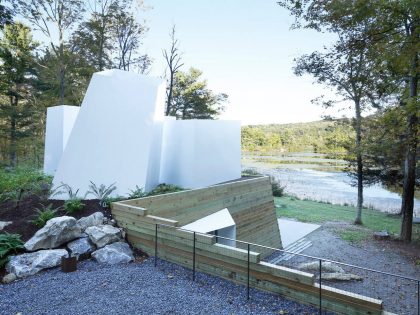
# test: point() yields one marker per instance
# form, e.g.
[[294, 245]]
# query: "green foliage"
[[43, 215], [136, 193], [325, 136], [16, 183], [250, 172], [164, 189], [101, 192], [192, 99], [277, 187], [9, 244], [73, 205]]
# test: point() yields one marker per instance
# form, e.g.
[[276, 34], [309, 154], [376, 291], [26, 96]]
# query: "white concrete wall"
[[116, 135], [60, 121], [200, 153]]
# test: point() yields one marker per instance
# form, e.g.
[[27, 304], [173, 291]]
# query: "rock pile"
[[330, 271], [64, 236]]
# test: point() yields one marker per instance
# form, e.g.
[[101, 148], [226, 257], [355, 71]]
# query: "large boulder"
[[102, 235], [338, 276], [114, 253], [81, 248], [31, 263], [326, 267], [56, 232], [94, 219]]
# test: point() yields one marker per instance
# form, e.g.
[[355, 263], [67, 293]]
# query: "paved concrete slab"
[[292, 231]]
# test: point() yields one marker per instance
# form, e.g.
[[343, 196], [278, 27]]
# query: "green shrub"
[[136, 193], [9, 244], [250, 172], [17, 183], [277, 187], [109, 200], [164, 189], [101, 192], [73, 205], [43, 215]]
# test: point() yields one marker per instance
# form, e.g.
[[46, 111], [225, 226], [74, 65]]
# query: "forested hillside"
[[333, 136]]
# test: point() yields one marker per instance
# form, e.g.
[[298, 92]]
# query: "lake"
[[315, 177]]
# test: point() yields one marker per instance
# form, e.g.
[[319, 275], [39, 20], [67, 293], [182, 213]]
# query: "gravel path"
[[136, 288]]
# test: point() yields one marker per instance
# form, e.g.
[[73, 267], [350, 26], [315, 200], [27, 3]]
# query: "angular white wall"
[[60, 121], [117, 135], [200, 153]]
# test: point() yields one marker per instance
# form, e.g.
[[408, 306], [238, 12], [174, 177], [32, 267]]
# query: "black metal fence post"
[[418, 297], [194, 258], [156, 244], [248, 274], [320, 289]]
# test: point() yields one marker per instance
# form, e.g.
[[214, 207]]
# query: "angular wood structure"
[[251, 205]]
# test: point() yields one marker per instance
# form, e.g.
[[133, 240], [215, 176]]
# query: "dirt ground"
[[399, 295]]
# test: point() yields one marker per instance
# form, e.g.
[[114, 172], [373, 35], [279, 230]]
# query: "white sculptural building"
[[120, 135]]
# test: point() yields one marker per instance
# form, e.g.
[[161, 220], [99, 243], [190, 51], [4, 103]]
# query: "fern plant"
[[136, 193], [101, 192], [9, 244], [43, 215]]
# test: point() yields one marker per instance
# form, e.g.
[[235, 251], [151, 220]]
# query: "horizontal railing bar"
[[301, 255]]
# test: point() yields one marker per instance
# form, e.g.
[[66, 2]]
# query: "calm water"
[[322, 182]]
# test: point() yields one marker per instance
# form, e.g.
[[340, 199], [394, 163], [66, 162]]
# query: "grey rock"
[[56, 232], [31, 263], [3, 224], [94, 219], [340, 276], [10, 277], [115, 253], [102, 235], [81, 248], [326, 267], [382, 235]]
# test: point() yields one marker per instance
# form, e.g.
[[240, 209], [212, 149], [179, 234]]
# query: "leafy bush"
[[17, 183], [101, 192], [9, 244], [73, 205], [43, 215], [109, 200], [164, 189], [72, 194], [136, 193], [250, 172], [277, 187]]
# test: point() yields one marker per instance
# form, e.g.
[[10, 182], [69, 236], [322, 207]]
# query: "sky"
[[245, 49]]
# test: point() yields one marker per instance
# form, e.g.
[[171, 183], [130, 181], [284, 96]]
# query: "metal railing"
[[400, 295]]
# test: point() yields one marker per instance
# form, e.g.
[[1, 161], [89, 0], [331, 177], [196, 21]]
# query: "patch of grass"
[[353, 236], [319, 212]]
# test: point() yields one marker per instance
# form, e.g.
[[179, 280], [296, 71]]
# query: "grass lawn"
[[319, 212]]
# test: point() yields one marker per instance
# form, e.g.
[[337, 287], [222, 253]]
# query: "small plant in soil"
[[43, 215], [164, 189], [101, 192], [136, 193], [9, 244], [73, 205]]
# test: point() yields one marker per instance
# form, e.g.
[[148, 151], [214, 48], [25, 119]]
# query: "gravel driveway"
[[136, 288]]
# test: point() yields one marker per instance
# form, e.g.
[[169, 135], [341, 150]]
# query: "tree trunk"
[[13, 137], [407, 204], [358, 219], [169, 100]]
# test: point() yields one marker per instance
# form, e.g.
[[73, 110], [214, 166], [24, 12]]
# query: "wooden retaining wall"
[[249, 201], [140, 216]]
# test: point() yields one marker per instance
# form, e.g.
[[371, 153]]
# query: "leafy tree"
[[17, 81], [390, 30], [128, 34], [192, 99], [54, 17], [6, 14], [173, 61]]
